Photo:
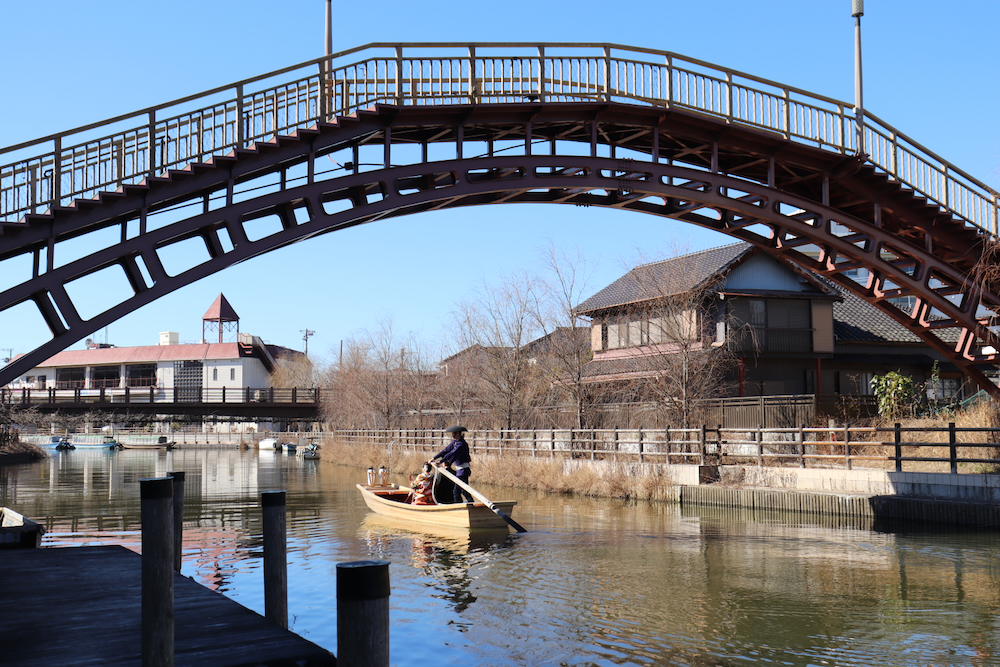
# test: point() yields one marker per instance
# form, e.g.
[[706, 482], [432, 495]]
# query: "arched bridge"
[[392, 129]]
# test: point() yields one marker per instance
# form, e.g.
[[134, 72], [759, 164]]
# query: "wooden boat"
[[18, 531], [390, 501]]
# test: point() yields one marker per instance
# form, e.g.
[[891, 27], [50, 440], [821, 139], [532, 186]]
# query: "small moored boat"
[[19, 532], [391, 500]]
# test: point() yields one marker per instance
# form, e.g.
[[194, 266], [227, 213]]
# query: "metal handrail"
[[75, 164]]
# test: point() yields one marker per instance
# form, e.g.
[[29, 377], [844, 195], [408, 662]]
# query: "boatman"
[[458, 457]]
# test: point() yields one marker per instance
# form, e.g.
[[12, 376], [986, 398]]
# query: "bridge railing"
[[82, 162], [119, 396]]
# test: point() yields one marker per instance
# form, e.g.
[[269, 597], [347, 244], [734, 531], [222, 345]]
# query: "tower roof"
[[221, 311]]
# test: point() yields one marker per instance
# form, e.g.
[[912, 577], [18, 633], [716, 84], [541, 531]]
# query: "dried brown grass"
[[22, 450], [980, 445], [650, 482]]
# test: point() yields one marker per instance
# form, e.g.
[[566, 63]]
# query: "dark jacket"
[[456, 452]]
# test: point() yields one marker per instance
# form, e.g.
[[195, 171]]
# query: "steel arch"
[[825, 212]]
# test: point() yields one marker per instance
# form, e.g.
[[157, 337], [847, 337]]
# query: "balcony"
[[774, 340]]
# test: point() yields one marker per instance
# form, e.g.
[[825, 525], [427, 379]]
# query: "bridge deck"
[[81, 606]]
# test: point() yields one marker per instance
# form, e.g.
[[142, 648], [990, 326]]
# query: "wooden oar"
[[484, 500]]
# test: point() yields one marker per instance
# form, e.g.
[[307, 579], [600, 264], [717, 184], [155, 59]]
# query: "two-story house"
[[783, 330]]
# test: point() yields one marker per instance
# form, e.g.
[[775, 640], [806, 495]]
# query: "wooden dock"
[[81, 606]]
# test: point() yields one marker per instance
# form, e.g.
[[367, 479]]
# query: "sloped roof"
[[856, 320], [221, 310], [671, 276], [623, 367], [144, 354]]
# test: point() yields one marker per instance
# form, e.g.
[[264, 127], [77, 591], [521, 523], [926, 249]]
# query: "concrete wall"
[[869, 482]]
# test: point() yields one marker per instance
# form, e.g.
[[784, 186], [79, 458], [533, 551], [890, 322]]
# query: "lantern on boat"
[[383, 474], [371, 476]]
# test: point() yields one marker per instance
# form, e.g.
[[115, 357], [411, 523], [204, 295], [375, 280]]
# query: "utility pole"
[[9, 355], [305, 336], [857, 11]]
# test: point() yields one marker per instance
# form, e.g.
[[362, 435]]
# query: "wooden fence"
[[929, 449]]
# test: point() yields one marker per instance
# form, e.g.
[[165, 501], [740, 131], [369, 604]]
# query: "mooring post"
[[178, 504], [363, 613], [275, 562], [157, 514]]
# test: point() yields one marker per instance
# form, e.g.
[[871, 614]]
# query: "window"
[[758, 313], [943, 389], [105, 376], [215, 374], [70, 378], [232, 373], [140, 375]]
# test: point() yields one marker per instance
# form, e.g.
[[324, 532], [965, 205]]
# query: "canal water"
[[593, 582]]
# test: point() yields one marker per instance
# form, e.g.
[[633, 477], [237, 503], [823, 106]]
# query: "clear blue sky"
[[930, 71]]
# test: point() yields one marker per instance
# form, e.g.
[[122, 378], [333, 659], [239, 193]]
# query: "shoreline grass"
[[569, 477], [21, 451]]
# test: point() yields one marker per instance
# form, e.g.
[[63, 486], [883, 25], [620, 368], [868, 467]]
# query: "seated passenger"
[[423, 487]]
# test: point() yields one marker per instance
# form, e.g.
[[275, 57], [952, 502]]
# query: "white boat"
[[268, 443]]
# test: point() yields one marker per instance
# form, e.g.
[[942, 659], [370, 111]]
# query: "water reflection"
[[443, 555], [594, 582]]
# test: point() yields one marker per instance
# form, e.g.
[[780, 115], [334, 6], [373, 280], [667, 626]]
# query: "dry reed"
[[976, 444], [610, 480], [24, 449]]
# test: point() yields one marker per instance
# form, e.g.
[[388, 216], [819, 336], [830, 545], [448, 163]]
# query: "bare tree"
[[459, 385], [500, 321], [293, 370], [563, 352], [684, 343], [419, 383], [378, 380]]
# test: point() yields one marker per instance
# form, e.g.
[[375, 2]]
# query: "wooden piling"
[[275, 559], [363, 613], [157, 513], [178, 507]]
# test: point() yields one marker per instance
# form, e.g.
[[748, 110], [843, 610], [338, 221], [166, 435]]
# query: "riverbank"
[[20, 452], [562, 476], [869, 494]]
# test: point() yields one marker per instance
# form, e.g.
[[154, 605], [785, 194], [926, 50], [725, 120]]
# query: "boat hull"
[[386, 501], [18, 531]]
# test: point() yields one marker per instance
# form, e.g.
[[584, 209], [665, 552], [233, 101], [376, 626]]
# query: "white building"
[[174, 371]]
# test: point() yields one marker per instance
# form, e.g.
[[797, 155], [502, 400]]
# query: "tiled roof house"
[[808, 335]]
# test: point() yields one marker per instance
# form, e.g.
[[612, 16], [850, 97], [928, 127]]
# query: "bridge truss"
[[261, 167]]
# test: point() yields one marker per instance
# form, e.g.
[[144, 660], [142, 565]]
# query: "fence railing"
[[146, 395], [931, 449], [126, 149]]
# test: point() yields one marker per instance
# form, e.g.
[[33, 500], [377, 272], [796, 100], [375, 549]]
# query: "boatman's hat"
[[455, 429]]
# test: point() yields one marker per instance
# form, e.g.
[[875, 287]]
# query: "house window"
[[943, 389], [758, 313], [232, 373], [863, 384], [215, 374]]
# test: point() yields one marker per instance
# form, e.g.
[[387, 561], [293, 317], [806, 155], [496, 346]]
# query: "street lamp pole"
[[857, 11]]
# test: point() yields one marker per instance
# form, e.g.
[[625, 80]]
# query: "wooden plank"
[[81, 606]]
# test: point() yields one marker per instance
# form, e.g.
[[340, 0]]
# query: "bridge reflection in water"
[[593, 582]]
